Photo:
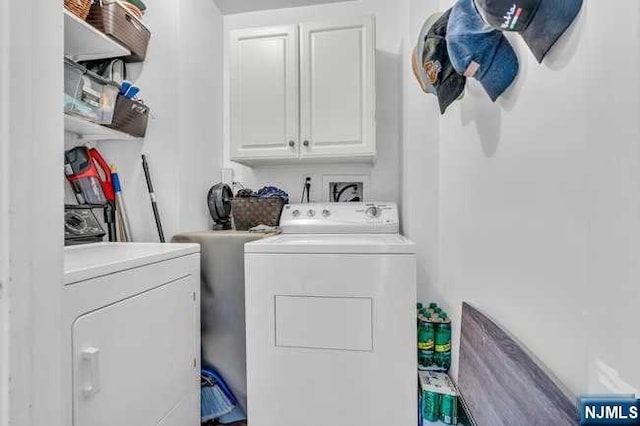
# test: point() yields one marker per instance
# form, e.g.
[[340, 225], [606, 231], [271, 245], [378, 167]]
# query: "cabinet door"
[[264, 93], [337, 95], [135, 362]]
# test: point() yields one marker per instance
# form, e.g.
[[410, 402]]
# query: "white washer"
[[330, 312]]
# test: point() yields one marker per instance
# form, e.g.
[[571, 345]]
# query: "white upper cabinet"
[[304, 93], [337, 89], [264, 93]]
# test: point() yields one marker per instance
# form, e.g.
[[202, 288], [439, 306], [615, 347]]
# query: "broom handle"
[[152, 195]]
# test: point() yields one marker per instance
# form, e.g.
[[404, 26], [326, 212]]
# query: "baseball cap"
[[539, 22], [480, 51], [431, 64]]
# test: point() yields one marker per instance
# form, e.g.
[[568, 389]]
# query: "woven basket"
[[80, 8], [130, 117], [132, 9], [250, 212], [116, 21]]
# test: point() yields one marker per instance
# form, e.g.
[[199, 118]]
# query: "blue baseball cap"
[[477, 50], [539, 22]]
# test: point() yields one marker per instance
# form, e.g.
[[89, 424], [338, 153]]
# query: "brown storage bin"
[[116, 21], [250, 212], [130, 117], [80, 8]]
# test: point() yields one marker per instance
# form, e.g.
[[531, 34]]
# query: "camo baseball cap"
[[431, 64]]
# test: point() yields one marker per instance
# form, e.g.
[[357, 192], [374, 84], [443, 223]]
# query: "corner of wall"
[[201, 85]]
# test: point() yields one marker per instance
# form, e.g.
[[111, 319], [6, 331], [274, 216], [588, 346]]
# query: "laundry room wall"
[[181, 81], [201, 109], [31, 232], [385, 174], [539, 200], [5, 175], [420, 161]]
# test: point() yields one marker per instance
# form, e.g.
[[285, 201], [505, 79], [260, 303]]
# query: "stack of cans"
[[438, 398]]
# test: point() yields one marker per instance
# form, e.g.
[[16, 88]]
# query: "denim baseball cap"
[[539, 22], [431, 64], [480, 51]]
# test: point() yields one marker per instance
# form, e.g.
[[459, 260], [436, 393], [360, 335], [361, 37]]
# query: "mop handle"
[[152, 196], [120, 207]]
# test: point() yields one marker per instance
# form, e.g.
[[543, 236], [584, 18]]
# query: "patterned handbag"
[[253, 211]]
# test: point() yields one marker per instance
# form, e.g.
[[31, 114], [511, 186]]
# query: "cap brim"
[[417, 59], [451, 90], [418, 73], [551, 21], [502, 72]]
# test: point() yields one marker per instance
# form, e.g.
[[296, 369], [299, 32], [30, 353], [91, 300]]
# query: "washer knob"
[[326, 213], [295, 213], [373, 211], [311, 213]]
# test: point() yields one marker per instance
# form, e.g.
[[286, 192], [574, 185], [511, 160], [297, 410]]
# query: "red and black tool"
[[90, 176]]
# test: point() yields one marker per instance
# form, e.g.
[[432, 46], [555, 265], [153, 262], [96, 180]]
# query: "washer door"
[[333, 335], [134, 361]]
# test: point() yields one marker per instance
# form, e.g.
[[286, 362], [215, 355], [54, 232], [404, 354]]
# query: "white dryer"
[[330, 312], [131, 340]]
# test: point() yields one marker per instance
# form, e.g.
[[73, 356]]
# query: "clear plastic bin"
[[88, 95]]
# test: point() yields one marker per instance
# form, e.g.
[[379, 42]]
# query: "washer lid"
[[333, 244]]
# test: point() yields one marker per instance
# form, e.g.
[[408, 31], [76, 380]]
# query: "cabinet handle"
[[292, 144], [91, 357], [305, 143]]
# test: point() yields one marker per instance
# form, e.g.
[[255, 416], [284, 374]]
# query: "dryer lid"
[[85, 262], [333, 244]]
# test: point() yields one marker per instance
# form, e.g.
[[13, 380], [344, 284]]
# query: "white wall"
[[539, 200], [235, 6], [31, 87], [385, 174], [420, 165], [201, 109], [181, 81], [4, 213]]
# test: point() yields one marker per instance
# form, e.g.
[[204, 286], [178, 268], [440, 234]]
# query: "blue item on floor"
[[217, 400], [237, 415]]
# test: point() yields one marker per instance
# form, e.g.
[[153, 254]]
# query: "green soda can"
[[443, 345], [431, 406], [449, 409]]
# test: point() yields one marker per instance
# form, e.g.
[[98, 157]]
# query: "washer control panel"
[[340, 218]]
